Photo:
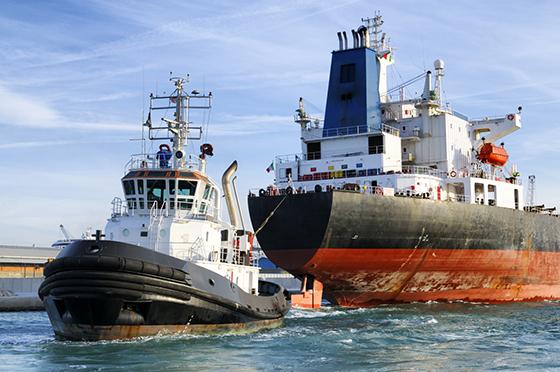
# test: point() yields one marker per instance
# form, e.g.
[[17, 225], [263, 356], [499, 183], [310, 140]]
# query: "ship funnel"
[[228, 194], [345, 39], [340, 45], [355, 38]]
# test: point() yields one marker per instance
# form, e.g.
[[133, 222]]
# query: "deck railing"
[[155, 162]]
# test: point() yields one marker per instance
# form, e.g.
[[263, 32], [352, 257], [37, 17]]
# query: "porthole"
[[211, 281]]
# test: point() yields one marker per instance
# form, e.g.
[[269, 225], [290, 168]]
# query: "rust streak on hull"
[[367, 277]]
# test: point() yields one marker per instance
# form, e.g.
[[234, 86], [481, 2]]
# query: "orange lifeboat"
[[494, 155]]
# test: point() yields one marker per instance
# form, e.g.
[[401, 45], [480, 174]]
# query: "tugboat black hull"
[[102, 290]]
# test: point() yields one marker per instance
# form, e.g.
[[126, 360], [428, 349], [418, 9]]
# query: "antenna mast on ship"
[[179, 129], [374, 27]]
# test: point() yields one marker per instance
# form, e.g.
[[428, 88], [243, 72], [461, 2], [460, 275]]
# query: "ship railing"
[[185, 211], [193, 251], [414, 169], [359, 129], [155, 162], [119, 207], [461, 198]]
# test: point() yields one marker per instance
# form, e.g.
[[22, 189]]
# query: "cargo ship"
[[166, 262], [395, 199]]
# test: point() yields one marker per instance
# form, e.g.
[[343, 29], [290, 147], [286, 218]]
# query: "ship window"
[[141, 203], [404, 149], [348, 73], [351, 173], [157, 192], [128, 187], [184, 204], [314, 150], [140, 186], [492, 197], [131, 203], [289, 172], [172, 184], [206, 192], [203, 207], [186, 188], [375, 145]]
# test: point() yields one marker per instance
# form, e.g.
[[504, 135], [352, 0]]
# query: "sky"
[[75, 77]]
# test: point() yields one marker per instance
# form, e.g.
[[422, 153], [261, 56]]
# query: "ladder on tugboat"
[[154, 228]]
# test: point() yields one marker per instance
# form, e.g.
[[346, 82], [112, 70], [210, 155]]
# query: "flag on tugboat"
[[270, 168]]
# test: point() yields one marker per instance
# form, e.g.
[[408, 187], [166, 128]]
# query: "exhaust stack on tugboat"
[[399, 200], [169, 263]]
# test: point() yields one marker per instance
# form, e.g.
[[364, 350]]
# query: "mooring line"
[[271, 214]]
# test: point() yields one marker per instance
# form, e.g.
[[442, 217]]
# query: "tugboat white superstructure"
[[169, 263]]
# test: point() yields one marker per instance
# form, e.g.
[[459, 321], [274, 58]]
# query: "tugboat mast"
[[178, 129]]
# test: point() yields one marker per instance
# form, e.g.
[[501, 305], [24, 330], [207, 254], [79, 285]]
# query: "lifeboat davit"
[[494, 155]]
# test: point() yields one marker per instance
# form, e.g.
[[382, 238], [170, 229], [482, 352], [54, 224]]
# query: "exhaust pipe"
[[355, 38], [226, 185], [345, 39], [360, 38], [339, 34], [364, 36]]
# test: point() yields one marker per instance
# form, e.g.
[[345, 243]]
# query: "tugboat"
[[169, 264], [397, 199]]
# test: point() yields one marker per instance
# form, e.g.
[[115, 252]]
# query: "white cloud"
[[21, 110]]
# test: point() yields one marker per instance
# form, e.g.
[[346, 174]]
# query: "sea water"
[[433, 336]]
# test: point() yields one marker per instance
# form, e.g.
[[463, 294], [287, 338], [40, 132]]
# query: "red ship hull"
[[368, 277], [368, 250]]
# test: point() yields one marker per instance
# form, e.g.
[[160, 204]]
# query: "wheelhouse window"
[[206, 192], [186, 187], [131, 203], [128, 187], [140, 186], [157, 192]]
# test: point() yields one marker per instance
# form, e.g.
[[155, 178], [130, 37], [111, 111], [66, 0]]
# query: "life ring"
[[511, 116], [289, 190], [164, 146], [262, 192], [453, 174]]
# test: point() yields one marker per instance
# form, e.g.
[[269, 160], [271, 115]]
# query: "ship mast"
[[178, 130]]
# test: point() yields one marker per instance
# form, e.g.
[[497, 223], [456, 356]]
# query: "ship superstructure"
[[402, 199], [406, 147]]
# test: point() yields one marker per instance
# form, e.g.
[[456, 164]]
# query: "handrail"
[[152, 162]]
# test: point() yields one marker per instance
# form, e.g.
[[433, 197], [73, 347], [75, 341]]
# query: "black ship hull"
[[98, 290], [368, 249]]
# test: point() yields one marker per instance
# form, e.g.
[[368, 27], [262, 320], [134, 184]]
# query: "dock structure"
[[24, 261], [21, 274]]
